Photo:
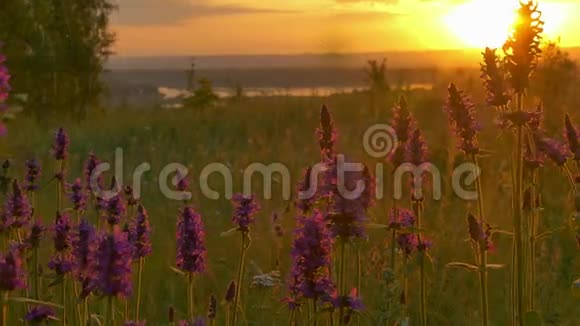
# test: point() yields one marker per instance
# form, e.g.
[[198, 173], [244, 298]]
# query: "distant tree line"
[[56, 51]]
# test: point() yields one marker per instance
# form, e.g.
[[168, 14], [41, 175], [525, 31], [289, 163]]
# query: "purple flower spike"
[[401, 218], [90, 166], [4, 90], [572, 137], [12, 275], [552, 148], [311, 258], [403, 123], [60, 146], [461, 113], [416, 149], [77, 196], [39, 315], [244, 210], [62, 235], [17, 207], [348, 211], [83, 249], [327, 134], [351, 303], [33, 172], [36, 233], [112, 265], [140, 234], [478, 234], [494, 79], [115, 210], [230, 292], [408, 243], [191, 251]]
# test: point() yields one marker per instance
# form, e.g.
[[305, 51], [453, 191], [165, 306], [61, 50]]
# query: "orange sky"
[[199, 27]]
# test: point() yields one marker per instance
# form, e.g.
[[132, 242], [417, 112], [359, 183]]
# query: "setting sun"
[[482, 23]]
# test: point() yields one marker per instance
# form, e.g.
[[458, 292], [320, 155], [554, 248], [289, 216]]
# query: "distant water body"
[[173, 93]]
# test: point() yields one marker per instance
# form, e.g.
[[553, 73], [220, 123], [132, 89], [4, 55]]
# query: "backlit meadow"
[[509, 256]]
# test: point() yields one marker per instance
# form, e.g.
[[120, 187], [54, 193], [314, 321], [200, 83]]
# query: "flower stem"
[[240, 279], [418, 208], [110, 312], [482, 249], [4, 309], [517, 206], [341, 283], [35, 274], [533, 227], [64, 302], [139, 278]]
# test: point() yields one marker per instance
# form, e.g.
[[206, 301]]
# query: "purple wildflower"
[[62, 260], [83, 247], [416, 150], [140, 234], [4, 90], [212, 308], [90, 166], [130, 196], [244, 209], [112, 265], [182, 182], [351, 303], [403, 123], [552, 148], [401, 218], [39, 315], [326, 133], [17, 208], [12, 274], [115, 209], [522, 49], [77, 196], [199, 321], [191, 251], [461, 113], [572, 137], [494, 79], [311, 258], [348, 210], [424, 244], [407, 242], [478, 234], [230, 292], [60, 146], [35, 234], [136, 323], [33, 172]]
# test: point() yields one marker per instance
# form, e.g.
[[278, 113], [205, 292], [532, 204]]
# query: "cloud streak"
[[172, 12]]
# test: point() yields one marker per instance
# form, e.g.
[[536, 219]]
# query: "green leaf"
[[229, 232], [532, 318], [494, 266], [37, 302], [177, 270], [377, 226], [466, 266]]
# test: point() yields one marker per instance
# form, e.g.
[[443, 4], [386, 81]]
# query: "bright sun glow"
[[482, 23]]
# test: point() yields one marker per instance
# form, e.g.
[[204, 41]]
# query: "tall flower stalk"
[[60, 152], [140, 238], [463, 121], [191, 250], [244, 210], [522, 50]]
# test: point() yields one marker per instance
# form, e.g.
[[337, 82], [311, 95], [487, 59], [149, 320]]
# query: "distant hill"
[[403, 60]]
